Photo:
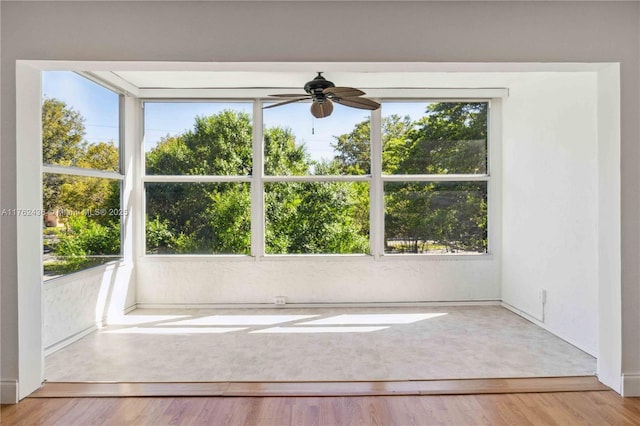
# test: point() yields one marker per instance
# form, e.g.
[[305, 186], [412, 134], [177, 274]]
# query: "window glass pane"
[[434, 138], [81, 225], [317, 217], [198, 138], [296, 143], [198, 218], [80, 122], [435, 218]]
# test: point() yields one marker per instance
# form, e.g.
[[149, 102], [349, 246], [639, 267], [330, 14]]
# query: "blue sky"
[[99, 107]]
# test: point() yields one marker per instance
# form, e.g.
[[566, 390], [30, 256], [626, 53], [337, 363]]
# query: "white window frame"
[[96, 173], [492, 194], [376, 178]]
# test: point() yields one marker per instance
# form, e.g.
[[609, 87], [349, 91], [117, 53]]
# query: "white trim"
[[609, 229], [452, 257], [69, 340], [631, 385], [437, 178], [318, 178], [494, 186], [139, 202], [284, 66], [117, 262], [142, 305], [112, 81], [523, 314], [27, 78], [195, 179], [77, 171], [55, 347], [9, 392], [293, 257], [376, 187], [29, 228], [257, 185], [399, 93], [199, 257], [541, 324]]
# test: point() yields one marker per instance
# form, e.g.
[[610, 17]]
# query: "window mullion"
[[376, 194], [257, 184]]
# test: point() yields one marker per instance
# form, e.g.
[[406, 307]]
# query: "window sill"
[[318, 257]]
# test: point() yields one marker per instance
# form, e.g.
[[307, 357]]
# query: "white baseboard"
[[8, 391], [69, 340], [143, 305], [543, 325], [79, 335], [631, 385], [130, 309]]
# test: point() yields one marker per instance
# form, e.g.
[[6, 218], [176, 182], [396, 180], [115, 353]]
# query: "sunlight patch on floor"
[[319, 330], [241, 320], [143, 319], [174, 330], [356, 319]]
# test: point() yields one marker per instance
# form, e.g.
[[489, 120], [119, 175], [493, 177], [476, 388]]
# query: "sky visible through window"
[[99, 107], [161, 119]]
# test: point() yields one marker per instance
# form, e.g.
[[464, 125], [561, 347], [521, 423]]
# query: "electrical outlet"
[[280, 300]]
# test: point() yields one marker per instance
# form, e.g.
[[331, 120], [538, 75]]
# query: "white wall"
[[550, 203], [352, 31], [82, 301], [201, 281]]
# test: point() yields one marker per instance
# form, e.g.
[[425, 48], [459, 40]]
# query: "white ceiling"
[[267, 75]]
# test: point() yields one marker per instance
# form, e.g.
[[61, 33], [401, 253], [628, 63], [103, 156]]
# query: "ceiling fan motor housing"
[[316, 87]]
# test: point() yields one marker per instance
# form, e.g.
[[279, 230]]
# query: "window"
[[435, 173], [233, 178], [198, 166], [82, 174], [326, 211]]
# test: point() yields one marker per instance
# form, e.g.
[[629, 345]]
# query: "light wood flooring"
[[563, 408], [357, 388]]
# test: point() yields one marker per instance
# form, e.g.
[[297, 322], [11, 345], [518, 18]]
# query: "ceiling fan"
[[323, 93]]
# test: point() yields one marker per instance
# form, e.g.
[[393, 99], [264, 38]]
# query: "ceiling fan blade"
[[289, 95], [343, 92], [290, 101], [356, 102], [321, 110]]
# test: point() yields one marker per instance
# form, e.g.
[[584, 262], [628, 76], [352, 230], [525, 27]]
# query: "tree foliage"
[[62, 133], [451, 138], [216, 218], [86, 206], [300, 217]]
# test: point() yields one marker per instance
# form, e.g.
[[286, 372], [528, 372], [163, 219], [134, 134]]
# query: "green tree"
[[62, 142], [354, 148], [90, 231], [202, 217], [215, 217], [450, 139], [78, 194], [62, 133]]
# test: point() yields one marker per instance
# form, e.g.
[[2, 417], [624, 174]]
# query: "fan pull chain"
[[313, 130]]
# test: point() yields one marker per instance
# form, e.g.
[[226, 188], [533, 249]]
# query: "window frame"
[[376, 178], [120, 175], [474, 177]]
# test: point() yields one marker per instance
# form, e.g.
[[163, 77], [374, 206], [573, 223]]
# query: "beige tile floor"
[[318, 344]]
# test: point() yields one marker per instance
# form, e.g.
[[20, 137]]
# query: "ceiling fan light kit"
[[323, 93]]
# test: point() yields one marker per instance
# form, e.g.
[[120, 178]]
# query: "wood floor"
[[559, 408], [353, 388]]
